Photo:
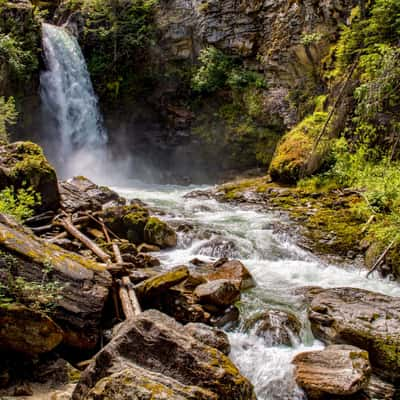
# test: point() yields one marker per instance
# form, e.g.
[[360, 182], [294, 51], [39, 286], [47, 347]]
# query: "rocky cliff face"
[[285, 41]]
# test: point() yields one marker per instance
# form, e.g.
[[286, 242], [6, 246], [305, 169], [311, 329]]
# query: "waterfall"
[[75, 136]]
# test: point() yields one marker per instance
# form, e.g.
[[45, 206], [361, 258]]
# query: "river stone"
[[81, 194], [84, 284], [276, 327], [221, 293], [159, 233], [26, 331], [154, 286], [210, 336], [338, 370], [364, 319], [234, 271], [157, 343]]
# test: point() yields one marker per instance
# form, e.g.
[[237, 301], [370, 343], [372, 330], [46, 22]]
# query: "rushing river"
[[276, 263]]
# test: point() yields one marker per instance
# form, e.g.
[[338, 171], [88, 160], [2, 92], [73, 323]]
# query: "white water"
[[276, 263], [75, 125]]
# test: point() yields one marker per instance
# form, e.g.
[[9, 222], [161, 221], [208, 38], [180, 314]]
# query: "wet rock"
[[276, 327], [81, 194], [338, 370], [233, 271], [158, 344], [159, 233], [219, 247], [23, 164], [221, 293], [153, 287], [27, 331], [210, 336], [364, 319], [228, 318], [84, 284]]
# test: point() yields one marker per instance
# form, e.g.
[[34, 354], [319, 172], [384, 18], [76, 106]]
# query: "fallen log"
[[129, 302], [73, 231], [381, 258]]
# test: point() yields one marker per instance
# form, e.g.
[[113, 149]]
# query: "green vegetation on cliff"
[[116, 37]]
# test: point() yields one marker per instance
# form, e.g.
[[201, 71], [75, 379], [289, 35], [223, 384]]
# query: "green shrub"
[[8, 116], [20, 204]]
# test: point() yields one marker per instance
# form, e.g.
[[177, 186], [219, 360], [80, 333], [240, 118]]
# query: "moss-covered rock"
[[158, 284], [128, 222], [143, 384], [23, 164], [159, 233], [290, 157], [294, 150]]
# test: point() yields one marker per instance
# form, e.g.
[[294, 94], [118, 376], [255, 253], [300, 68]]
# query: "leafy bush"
[[19, 204], [8, 116], [218, 71], [213, 72]]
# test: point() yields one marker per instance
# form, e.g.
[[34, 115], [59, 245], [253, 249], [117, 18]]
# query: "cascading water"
[[76, 135], [278, 266]]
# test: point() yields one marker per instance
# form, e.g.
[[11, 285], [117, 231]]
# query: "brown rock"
[[157, 343], [339, 370], [233, 271], [221, 293], [364, 319], [212, 337], [27, 331], [160, 283]]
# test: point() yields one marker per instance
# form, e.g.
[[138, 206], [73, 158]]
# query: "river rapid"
[[276, 263]]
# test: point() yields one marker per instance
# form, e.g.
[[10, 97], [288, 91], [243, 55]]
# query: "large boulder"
[[149, 289], [232, 270], [128, 222], [157, 343], [81, 194], [23, 164], [220, 293], [159, 233], [27, 331], [83, 284], [276, 327], [134, 223], [337, 370], [142, 384], [361, 318]]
